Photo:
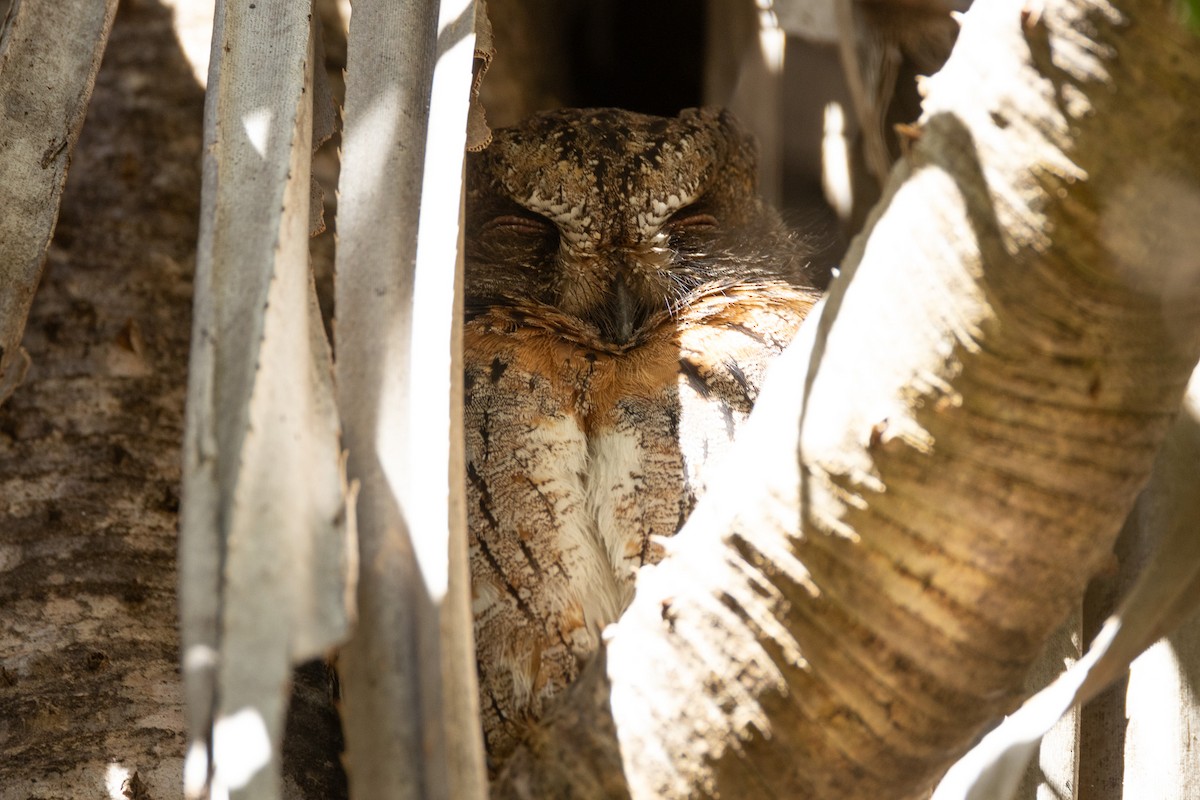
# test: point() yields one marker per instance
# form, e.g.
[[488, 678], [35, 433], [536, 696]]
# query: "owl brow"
[[659, 210]]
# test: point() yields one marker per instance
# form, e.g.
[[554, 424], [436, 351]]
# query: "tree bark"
[[946, 454], [90, 698]]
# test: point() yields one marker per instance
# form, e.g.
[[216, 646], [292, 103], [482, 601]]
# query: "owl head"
[[609, 222]]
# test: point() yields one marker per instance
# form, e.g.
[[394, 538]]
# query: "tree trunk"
[[946, 454], [90, 698]]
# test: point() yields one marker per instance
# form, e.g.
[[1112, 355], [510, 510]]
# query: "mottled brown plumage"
[[625, 289]]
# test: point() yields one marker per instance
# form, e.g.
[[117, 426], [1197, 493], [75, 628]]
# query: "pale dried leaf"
[[408, 674], [267, 552], [49, 54], [479, 135]]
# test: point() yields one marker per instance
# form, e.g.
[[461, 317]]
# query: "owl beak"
[[624, 311]]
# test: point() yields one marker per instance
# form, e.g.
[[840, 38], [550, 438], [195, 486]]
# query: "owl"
[[625, 289]]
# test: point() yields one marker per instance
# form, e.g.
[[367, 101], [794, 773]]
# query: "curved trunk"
[[943, 459]]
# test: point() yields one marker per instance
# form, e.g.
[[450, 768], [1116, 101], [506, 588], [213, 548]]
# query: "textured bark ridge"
[[982, 396]]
